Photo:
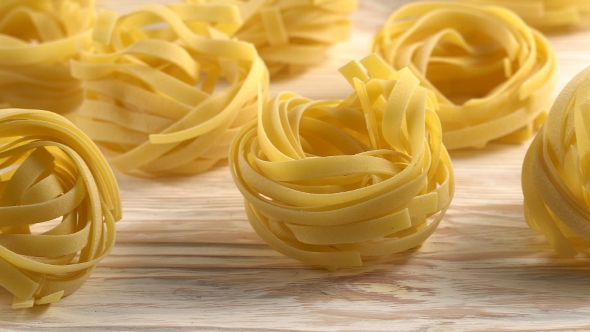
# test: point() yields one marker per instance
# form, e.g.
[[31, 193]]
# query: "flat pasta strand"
[[555, 173], [59, 202], [291, 35], [491, 74], [332, 182], [166, 92], [546, 14], [37, 40]]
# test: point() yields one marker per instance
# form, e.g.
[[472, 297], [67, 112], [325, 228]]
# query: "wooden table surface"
[[186, 257]]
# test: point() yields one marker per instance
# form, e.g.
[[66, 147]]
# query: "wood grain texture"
[[186, 257]]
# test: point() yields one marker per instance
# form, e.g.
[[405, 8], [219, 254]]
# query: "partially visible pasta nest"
[[333, 182], [37, 41], [166, 91], [291, 35], [556, 171], [546, 14], [59, 202], [492, 75]]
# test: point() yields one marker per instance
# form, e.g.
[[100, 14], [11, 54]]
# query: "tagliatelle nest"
[[37, 40], [492, 75], [546, 14], [166, 92], [332, 182], [291, 35], [49, 169], [556, 170]]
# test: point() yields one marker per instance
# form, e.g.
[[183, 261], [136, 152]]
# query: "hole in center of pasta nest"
[[460, 75], [344, 132], [325, 133]]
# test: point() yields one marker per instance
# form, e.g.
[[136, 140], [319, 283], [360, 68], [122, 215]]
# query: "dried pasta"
[[166, 91], [37, 40], [50, 170], [546, 14], [333, 182], [292, 35], [492, 75], [555, 173]]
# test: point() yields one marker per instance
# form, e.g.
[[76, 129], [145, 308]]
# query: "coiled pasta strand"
[[491, 74], [332, 182], [37, 40], [291, 35], [166, 91], [546, 14], [50, 170], [555, 173]]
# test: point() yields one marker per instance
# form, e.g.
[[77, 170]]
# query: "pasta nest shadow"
[[546, 14], [556, 171], [37, 39], [59, 201], [166, 88], [292, 36], [492, 75], [330, 182]]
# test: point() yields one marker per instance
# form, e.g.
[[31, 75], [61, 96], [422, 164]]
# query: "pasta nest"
[[166, 91], [556, 170], [491, 74], [331, 182], [50, 171], [292, 35], [546, 14], [37, 40]]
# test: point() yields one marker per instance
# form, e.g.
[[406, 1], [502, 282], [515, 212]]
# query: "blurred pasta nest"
[[332, 182], [556, 171], [59, 201], [292, 35], [546, 14], [166, 88], [37, 40], [492, 75]]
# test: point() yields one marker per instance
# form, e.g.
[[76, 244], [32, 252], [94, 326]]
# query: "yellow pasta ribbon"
[[166, 92], [37, 40], [331, 182], [291, 35], [546, 14], [51, 171], [491, 74], [556, 170]]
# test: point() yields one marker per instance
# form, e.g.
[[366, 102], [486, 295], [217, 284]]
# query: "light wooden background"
[[186, 256]]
